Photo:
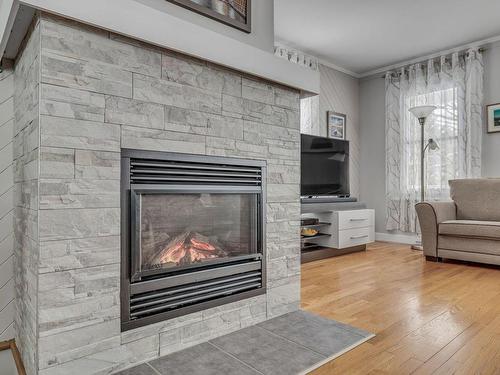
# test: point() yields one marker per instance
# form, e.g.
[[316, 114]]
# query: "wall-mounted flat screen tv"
[[324, 166]]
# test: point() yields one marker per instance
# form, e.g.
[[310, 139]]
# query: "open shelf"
[[321, 224], [321, 212], [319, 235], [310, 246]]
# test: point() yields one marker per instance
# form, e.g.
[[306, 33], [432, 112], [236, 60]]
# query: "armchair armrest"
[[430, 214]]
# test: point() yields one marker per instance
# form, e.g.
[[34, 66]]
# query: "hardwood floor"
[[429, 318]]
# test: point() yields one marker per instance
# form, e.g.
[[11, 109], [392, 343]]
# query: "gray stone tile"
[[286, 98], [134, 112], [86, 75], [188, 121], [25, 194], [56, 256], [232, 80], [322, 335], [70, 39], [71, 103], [282, 211], [267, 352], [81, 223], [191, 71], [216, 143], [81, 134], [97, 165], [283, 247], [258, 91], [175, 94], [259, 112], [161, 140], [68, 345], [283, 174], [258, 132], [283, 193], [283, 297], [131, 353], [203, 359], [143, 369], [56, 193]]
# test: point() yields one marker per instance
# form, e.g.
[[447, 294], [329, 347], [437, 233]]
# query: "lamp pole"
[[422, 113], [421, 120]]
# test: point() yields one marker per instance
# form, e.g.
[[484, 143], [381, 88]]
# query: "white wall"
[[339, 92], [491, 142], [6, 205], [372, 129], [262, 35]]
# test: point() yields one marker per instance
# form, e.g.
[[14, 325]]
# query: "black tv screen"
[[324, 166]]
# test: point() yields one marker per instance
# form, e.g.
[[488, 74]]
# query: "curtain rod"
[[460, 53]]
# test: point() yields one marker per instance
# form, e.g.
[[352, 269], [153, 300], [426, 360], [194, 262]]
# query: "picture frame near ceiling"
[[234, 13], [336, 125], [493, 117]]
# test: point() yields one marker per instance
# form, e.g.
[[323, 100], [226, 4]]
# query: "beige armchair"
[[466, 228]]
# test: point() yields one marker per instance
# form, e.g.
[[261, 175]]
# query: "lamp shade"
[[433, 144], [422, 111]]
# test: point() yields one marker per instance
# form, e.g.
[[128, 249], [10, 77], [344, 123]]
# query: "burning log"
[[187, 248]]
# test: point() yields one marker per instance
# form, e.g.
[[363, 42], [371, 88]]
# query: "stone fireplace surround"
[[82, 94]]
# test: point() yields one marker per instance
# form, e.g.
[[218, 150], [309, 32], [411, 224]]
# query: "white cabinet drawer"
[[355, 219], [356, 236]]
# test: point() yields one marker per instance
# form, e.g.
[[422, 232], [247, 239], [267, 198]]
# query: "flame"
[[188, 248]]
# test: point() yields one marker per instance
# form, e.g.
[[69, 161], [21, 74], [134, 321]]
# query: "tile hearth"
[[291, 344]]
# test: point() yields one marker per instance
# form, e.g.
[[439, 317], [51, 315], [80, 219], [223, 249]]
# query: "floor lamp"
[[422, 112]]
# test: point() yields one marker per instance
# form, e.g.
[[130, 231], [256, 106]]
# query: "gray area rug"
[[295, 343]]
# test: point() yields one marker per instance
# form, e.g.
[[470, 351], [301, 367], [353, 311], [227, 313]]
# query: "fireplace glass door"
[[175, 231]]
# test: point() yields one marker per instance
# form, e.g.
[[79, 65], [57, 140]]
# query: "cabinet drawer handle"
[[358, 237], [358, 219]]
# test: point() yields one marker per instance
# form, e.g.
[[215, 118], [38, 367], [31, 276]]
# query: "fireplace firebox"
[[192, 233]]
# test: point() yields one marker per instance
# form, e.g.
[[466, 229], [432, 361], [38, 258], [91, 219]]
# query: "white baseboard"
[[398, 238]]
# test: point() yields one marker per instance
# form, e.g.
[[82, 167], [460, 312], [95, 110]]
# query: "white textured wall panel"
[[339, 92], [6, 205]]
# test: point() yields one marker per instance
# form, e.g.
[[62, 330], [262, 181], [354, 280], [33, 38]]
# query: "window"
[[440, 165]]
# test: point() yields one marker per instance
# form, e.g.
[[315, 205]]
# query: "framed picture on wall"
[[336, 123], [235, 13], [493, 114]]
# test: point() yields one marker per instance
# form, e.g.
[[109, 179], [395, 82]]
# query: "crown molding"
[[322, 61], [477, 44], [337, 67], [368, 74]]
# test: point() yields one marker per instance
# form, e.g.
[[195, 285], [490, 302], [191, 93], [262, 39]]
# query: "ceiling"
[[363, 35]]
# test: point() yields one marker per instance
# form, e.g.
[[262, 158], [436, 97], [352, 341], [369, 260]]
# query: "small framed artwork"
[[493, 113], [235, 13], [336, 123]]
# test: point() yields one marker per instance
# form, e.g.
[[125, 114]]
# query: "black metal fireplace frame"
[[247, 265]]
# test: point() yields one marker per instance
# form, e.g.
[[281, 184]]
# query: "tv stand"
[[323, 199], [344, 227]]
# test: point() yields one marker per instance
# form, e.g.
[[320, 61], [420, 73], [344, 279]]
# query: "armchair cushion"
[[471, 229], [476, 198]]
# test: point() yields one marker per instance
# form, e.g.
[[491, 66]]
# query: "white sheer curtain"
[[455, 86]]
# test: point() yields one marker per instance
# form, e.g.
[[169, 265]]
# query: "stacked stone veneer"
[[82, 95], [26, 155]]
